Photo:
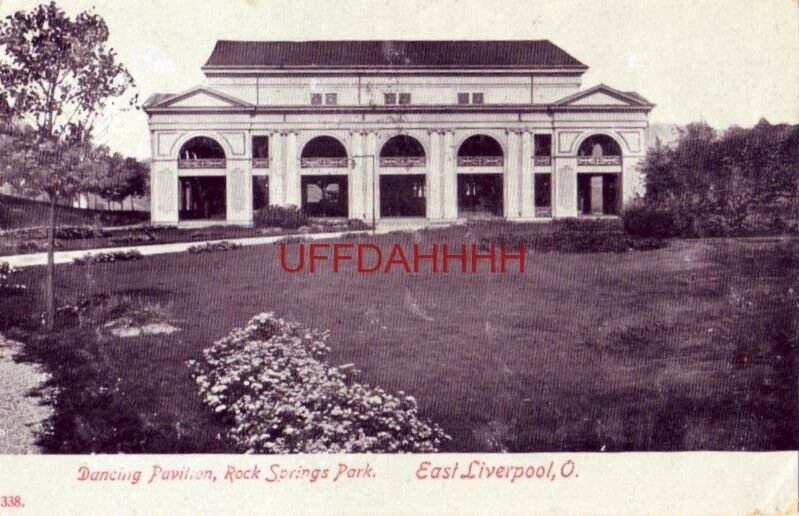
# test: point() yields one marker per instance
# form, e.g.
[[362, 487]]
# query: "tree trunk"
[[50, 287]]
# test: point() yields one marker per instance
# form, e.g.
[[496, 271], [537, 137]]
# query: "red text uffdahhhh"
[[367, 258]]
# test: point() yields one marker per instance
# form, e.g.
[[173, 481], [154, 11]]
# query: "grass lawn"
[[689, 347]]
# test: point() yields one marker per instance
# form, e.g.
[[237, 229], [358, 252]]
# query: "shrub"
[[108, 256], [210, 247], [646, 221], [269, 381], [144, 235], [7, 284], [571, 236], [287, 217], [357, 224]]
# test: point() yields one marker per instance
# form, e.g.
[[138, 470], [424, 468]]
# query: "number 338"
[[11, 501]]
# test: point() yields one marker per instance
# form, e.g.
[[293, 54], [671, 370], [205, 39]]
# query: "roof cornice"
[[431, 108]]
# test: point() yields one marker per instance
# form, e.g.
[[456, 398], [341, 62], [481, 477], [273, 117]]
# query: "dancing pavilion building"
[[440, 130]]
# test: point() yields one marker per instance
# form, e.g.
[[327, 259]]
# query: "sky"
[[727, 62]]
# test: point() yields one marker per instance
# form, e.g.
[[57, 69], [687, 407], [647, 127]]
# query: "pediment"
[[202, 97], [603, 95]]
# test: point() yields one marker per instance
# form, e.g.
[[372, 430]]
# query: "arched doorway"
[[480, 168], [201, 197], [599, 174], [403, 188], [324, 177]]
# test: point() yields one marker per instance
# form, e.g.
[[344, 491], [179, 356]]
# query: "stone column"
[[434, 177], [238, 188], [510, 177], [564, 203], [371, 177], [276, 169], [449, 179], [632, 181], [527, 191], [292, 175], [164, 192], [356, 190]]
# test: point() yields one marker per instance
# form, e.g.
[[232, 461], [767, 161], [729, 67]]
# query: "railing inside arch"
[[542, 161], [202, 163], [480, 161], [402, 161], [323, 162], [260, 163], [598, 160]]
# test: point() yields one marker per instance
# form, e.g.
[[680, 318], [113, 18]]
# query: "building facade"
[[440, 130]]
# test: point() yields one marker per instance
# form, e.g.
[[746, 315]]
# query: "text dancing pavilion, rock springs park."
[[436, 130]]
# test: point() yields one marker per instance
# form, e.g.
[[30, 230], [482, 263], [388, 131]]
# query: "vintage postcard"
[[361, 257]]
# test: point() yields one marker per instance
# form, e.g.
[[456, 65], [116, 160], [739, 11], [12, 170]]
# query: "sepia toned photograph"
[[267, 227]]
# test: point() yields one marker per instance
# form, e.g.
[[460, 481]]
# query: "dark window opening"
[[477, 98], [542, 144], [404, 98], [463, 98], [331, 99], [543, 190], [480, 195], [260, 147], [599, 194], [403, 195], [324, 196], [201, 198], [390, 98], [316, 99], [260, 192], [543, 195]]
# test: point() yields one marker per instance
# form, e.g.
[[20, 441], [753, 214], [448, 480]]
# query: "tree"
[[127, 177], [57, 75]]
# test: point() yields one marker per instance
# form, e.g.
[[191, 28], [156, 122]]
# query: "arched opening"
[[324, 194], [599, 160], [201, 197], [599, 146], [480, 150], [201, 152], [403, 193], [402, 151], [323, 152], [480, 161]]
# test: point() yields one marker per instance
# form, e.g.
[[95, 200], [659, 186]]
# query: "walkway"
[[21, 415], [34, 259]]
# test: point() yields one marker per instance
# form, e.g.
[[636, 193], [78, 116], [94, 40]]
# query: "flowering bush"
[[108, 256], [210, 247], [270, 382], [287, 217], [61, 232]]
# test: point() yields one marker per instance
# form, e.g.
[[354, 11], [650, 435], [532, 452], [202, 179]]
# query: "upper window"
[[404, 98], [476, 98], [390, 98], [260, 147], [316, 99], [331, 99]]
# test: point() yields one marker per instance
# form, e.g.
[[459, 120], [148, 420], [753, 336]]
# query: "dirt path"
[[21, 415]]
